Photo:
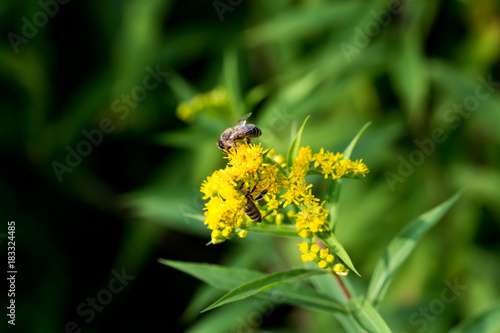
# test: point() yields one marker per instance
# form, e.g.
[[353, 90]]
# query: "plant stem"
[[342, 286], [337, 278]]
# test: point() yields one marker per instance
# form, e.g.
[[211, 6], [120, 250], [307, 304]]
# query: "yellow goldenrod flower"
[[246, 162], [290, 197], [273, 205], [215, 102], [303, 247], [315, 248], [332, 165], [319, 158], [217, 237], [305, 234], [228, 232], [359, 168], [309, 198], [323, 257], [323, 253], [310, 256], [313, 218], [252, 173], [247, 168], [339, 269], [330, 258]]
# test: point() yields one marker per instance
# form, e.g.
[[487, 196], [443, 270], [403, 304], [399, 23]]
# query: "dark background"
[[122, 207]]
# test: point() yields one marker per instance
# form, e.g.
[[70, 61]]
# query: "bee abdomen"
[[252, 212], [254, 133]]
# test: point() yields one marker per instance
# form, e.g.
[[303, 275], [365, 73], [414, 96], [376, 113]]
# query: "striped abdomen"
[[253, 133], [252, 211]]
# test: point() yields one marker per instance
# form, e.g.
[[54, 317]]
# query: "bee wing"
[[242, 121], [241, 132]]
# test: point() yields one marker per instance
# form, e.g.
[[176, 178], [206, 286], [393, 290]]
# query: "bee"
[[240, 131], [251, 209]]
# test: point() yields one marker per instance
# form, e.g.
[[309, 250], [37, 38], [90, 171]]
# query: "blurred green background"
[[83, 69]]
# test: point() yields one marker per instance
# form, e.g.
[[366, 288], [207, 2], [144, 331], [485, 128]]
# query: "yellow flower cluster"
[[249, 168], [340, 269], [322, 257], [334, 166], [246, 167], [312, 252], [312, 217], [215, 101]]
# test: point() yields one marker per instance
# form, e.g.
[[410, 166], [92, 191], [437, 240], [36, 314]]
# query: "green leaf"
[[293, 24], [410, 74], [333, 244], [484, 322], [197, 217], [294, 147], [225, 278], [366, 316], [181, 88], [402, 246], [188, 138], [222, 320], [284, 230], [334, 185], [324, 285], [332, 201], [256, 286], [348, 150], [232, 80], [264, 154]]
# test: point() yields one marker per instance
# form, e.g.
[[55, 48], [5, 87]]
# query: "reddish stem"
[[342, 287], [337, 278]]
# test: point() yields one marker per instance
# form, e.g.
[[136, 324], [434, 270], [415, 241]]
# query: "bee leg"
[[236, 150], [260, 196], [248, 140]]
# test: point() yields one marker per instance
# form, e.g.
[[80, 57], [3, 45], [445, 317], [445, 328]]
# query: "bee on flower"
[[252, 174]]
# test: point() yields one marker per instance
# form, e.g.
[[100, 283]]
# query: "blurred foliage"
[[123, 205]]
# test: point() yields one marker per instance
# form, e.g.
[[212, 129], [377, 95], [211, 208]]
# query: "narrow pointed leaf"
[[197, 217], [221, 320], [402, 246], [225, 278], [366, 316], [348, 150], [332, 201], [334, 185], [294, 147], [324, 285], [274, 230], [232, 80], [180, 87], [264, 155], [256, 286], [333, 244], [484, 322]]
